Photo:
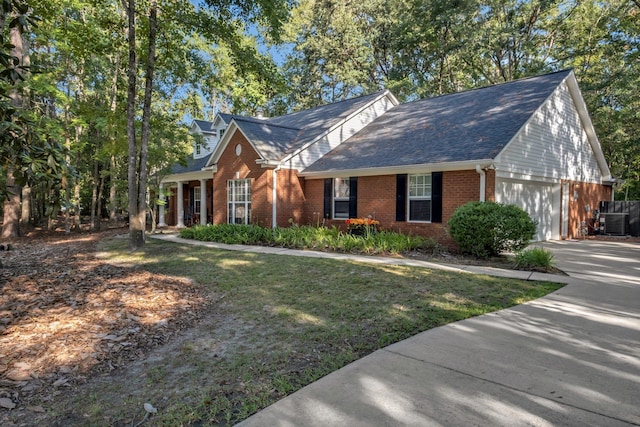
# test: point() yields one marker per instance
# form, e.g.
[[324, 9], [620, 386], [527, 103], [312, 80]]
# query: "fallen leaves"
[[65, 316]]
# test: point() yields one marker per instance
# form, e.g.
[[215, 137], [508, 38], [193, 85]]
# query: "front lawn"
[[273, 324]]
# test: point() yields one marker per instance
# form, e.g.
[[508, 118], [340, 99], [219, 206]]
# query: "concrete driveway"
[[616, 261], [571, 358]]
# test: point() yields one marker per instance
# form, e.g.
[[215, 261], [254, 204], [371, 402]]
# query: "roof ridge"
[[500, 84], [380, 92], [264, 122]]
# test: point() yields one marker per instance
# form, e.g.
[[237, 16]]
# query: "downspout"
[[274, 196], [483, 182]]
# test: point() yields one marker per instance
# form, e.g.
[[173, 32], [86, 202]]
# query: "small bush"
[[534, 259], [486, 229]]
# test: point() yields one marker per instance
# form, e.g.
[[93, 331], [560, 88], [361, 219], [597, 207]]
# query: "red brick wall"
[[377, 198], [458, 188], [587, 194], [290, 193], [232, 166], [291, 197], [314, 202]]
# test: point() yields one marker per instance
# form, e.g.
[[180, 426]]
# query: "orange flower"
[[361, 222]]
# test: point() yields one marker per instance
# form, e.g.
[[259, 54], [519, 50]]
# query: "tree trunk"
[[11, 217], [12, 209], [94, 197], [146, 115], [77, 222], [112, 162], [113, 192], [26, 205], [99, 207], [136, 230]]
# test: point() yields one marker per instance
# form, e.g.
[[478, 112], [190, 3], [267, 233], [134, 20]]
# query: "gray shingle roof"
[[271, 140], [278, 136], [204, 125], [207, 126], [465, 126], [192, 165]]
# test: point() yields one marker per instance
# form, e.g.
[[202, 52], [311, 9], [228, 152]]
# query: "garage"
[[538, 199]]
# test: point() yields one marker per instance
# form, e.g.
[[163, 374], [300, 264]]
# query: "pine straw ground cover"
[[202, 336]]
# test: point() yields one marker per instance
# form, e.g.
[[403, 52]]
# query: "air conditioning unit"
[[616, 223]]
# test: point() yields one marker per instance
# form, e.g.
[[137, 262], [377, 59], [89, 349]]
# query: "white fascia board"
[[578, 100], [194, 128], [267, 164], [218, 119], [188, 176], [386, 93], [394, 170]]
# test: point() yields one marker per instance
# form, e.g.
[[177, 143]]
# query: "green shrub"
[[485, 229], [309, 237], [534, 259]]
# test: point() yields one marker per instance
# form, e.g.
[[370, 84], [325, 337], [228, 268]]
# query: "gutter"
[[274, 196], [483, 182], [392, 170]]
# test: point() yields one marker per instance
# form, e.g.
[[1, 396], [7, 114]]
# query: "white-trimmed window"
[[341, 198], [239, 201], [419, 199], [196, 200], [203, 147]]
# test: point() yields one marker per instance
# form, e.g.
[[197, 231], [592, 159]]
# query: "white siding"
[[341, 133], [553, 145], [209, 144]]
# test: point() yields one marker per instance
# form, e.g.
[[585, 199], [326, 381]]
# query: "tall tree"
[[11, 210], [25, 155]]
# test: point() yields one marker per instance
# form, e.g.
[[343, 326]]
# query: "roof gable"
[[461, 127], [276, 138], [202, 125]]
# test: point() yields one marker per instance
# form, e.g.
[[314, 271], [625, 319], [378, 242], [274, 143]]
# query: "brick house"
[[529, 142]]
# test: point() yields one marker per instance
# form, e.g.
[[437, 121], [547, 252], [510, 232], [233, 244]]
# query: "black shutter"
[[328, 190], [401, 197], [353, 197], [436, 197], [192, 200]]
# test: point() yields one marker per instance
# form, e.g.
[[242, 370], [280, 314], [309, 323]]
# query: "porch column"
[[203, 202], [161, 222], [180, 205]]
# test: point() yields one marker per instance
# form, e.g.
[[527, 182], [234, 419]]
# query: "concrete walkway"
[[571, 358]]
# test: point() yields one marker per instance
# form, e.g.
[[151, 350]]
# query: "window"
[[202, 146], [221, 133], [239, 201], [341, 198], [420, 197], [196, 200]]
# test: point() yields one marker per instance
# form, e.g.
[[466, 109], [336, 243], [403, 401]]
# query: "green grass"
[[278, 323]]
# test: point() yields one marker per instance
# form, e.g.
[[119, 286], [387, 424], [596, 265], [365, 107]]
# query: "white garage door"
[[534, 198]]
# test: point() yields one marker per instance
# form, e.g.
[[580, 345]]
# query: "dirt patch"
[[66, 316]]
